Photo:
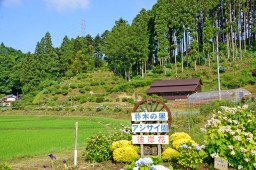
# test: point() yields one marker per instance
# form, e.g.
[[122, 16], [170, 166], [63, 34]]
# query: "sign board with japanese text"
[[158, 127], [150, 139], [150, 119], [220, 164], [150, 116]]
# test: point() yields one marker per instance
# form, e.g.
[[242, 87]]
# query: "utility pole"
[[82, 27], [218, 64]]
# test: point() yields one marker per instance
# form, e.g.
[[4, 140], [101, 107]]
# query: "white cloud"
[[10, 2], [64, 5]]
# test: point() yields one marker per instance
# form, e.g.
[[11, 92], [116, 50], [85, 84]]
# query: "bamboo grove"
[[177, 34]]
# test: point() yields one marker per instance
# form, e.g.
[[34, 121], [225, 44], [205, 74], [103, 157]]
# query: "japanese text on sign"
[[150, 139], [220, 164], [150, 116], [163, 127]]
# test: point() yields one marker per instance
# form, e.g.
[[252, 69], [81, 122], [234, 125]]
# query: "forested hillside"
[[177, 39]]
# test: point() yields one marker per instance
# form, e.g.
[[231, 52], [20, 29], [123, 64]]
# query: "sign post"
[[75, 151], [152, 127], [220, 164]]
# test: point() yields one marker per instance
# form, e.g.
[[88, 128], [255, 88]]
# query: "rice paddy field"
[[24, 136]]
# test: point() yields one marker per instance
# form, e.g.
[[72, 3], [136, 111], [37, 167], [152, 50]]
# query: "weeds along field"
[[31, 135]]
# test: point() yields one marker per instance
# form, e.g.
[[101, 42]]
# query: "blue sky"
[[24, 22]]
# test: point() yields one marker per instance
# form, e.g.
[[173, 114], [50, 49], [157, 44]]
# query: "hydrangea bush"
[[144, 163], [191, 155], [124, 151], [231, 134], [170, 154], [185, 150], [123, 143], [126, 154], [180, 138]]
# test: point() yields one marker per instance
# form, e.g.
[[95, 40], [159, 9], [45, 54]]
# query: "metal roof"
[[172, 89], [165, 86], [160, 83]]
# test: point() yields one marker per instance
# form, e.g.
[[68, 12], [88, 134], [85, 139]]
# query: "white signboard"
[[150, 116], [158, 127], [220, 164], [150, 139]]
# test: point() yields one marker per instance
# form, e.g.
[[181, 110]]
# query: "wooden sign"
[[150, 139], [220, 164], [158, 127], [149, 116]]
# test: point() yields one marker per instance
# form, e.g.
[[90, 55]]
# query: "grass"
[[28, 136]]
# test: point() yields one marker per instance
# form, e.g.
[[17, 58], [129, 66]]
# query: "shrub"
[[100, 99], [123, 143], [100, 108], [72, 86], [191, 155], [95, 83], [82, 90], [156, 159], [179, 135], [98, 148], [117, 109], [180, 138], [177, 143], [64, 92], [129, 100], [215, 106], [5, 166], [170, 154], [230, 134], [125, 154]]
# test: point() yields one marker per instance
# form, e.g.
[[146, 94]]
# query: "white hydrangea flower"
[[232, 132], [238, 131], [214, 155], [237, 138], [253, 152], [203, 130], [231, 147], [232, 152], [242, 149], [249, 139], [246, 159], [240, 167]]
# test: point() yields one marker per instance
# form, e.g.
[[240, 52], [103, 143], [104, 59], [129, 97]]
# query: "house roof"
[[160, 83], [163, 86], [8, 98], [172, 89]]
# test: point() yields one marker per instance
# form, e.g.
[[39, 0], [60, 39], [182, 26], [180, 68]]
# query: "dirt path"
[[38, 163]]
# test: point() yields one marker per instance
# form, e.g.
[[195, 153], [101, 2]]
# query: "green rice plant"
[[23, 136]]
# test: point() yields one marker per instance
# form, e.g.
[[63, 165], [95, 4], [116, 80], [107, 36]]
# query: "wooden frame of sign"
[[151, 123]]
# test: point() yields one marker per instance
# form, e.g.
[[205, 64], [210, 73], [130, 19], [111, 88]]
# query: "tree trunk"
[[186, 39], [240, 34], [182, 55], [228, 48], [209, 61], [244, 17], [142, 69], [231, 30]]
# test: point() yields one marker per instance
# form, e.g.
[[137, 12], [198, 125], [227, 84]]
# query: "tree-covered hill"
[[173, 40]]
